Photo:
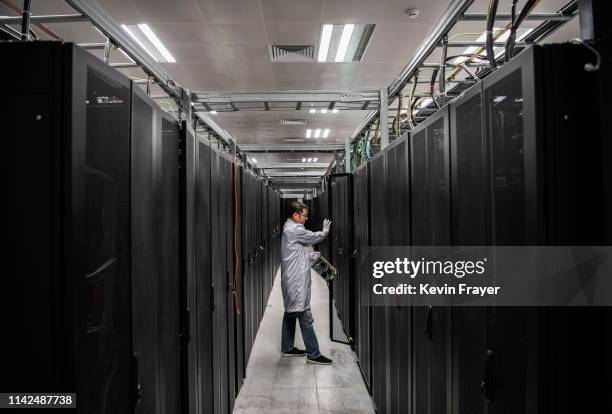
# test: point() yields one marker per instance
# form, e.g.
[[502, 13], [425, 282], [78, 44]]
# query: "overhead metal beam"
[[125, 65], [469, 43], [285, 96], [291, 147], [445, 22], [60, 18], [506, 16], [109, 28], [319, 165]]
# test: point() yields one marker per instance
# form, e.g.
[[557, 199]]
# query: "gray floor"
[[276, 384]]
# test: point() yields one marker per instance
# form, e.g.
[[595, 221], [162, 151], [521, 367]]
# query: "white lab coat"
[[297, 257]]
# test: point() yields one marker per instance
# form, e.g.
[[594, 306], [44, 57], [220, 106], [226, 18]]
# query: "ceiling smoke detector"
[[293, 122], [413, 13]]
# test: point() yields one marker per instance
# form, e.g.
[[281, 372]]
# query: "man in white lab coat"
[[297, 257]]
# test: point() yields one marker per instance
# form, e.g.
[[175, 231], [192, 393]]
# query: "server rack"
[[379, 237], [361, 240], [67, 170], [430, 185], [470, 227], [546, 188], [397, 190], [343, 286], [155, 254]]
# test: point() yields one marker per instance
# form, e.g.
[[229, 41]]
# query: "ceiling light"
[[149, 42], [326, 133], [308, 133], [317, 133], [344, 42], [326, 34], [323, 111], [312, 111], [334, 111], [293, 122], [309, 159], [254, 160], [303, 159], [347, 32], [212, 112], [315, 159]]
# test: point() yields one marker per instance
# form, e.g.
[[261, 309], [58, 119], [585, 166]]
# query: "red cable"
[[236, 262]]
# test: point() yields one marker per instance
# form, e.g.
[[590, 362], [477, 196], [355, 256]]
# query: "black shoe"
[[295, 352], [320, 360]]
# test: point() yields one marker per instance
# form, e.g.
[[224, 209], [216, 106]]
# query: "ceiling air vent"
[[293, 122], [292, 53]]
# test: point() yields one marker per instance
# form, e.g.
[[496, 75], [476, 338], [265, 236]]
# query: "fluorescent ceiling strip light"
[[308, 133], [213, 112], [156, 42], [312, 111], [135, 38], [317, 133], [303, 159], [309, 159], [323, 111], [315, 159], [334, 111], [326, 133], [254, 160], [324, 44], [347, 32]]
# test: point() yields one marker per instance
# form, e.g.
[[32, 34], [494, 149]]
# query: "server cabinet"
[[470, 226], [155, 254], [237, 276], [430, 184], [67, 170], [380, 325], [546, 188], [361, 203], [397, 188], [220, 278], [343, 287]]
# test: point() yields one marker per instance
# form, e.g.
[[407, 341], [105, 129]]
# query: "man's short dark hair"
[[296, 207]]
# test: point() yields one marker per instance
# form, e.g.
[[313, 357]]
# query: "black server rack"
[[341, 234], [222, 327], [379, 237], [237, 277], [430, 185], [361, 205], [67, 170], [546, 189], [399, 348], [470, 227], [195, 185], [155, 254]]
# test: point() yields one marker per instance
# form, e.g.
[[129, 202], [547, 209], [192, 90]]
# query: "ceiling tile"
[[239, 33], [78, 32], [293, 10], [186, 33], [164, 11], [293, 33], [295, 82], [429, 11], [231, 10], [380, 69], [48, 7], [293, 69], [203, 52], [371, 82], [244, 53], [355, 11], [122, 11]]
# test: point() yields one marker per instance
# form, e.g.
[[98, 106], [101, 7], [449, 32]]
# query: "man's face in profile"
[[301, 218]]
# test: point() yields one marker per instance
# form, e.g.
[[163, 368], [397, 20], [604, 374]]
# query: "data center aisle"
[[277, 384]]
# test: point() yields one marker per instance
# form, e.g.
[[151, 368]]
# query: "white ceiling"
[[222, 45]]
